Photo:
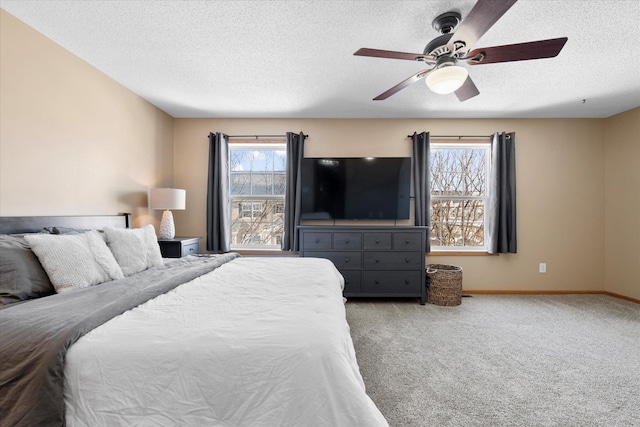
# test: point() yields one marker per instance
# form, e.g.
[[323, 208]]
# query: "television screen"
[[355, 188]]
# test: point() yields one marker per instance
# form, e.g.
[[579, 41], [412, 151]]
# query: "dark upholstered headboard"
[[35, 224]]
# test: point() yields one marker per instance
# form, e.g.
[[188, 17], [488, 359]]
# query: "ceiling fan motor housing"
[[438, 46], [444, 24]]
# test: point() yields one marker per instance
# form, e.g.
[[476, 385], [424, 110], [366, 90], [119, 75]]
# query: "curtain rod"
[[261, 136], [456, 136], [257, 136]]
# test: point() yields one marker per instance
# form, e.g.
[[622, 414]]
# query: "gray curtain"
[[501, 225], [218, 209], [421, 177], [295, 153]]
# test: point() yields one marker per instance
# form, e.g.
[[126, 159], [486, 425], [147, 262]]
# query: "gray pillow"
[[67, 230], [21, 274], [75, 261]]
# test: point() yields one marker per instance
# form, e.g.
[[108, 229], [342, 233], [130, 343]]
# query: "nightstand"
[[179, 246]]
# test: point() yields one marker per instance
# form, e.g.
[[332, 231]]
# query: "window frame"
[[243, 146], [486, 146]]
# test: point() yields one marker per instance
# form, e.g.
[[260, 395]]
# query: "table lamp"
[[167, 198]]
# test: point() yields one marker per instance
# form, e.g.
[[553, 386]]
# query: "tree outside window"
[[257, 184], [459, 178]]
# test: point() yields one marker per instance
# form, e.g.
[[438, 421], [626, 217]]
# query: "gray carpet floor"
[[501, 360]]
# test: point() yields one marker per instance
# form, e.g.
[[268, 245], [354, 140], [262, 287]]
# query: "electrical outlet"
[[543, 267]]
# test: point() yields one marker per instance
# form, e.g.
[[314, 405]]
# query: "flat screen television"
[[355, 188]]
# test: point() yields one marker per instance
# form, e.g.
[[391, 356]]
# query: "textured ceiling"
[[295, 58]]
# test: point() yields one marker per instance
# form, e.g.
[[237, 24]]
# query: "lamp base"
[[167, 229]]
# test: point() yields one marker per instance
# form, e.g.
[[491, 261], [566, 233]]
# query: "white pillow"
[[75, 261], [135, 249]]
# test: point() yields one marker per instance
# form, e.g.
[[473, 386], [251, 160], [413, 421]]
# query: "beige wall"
[[560, 174], [72, 140], [622, 204]]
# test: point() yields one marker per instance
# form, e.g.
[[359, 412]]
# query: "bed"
[[215, 340]]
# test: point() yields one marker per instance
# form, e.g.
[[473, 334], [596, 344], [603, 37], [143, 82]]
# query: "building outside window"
[[459, 195], [257, 184]]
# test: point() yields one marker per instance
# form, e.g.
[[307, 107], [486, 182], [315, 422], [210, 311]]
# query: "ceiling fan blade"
[[484, 14], [390, 54], [467, 90], [411, 80], [518, 52]]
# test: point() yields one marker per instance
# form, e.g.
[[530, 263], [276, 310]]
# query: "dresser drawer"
[[315, 241], [191, 249], [347, 241], [342, 260], [352, 281], [377, 241], [393, 260], [407, 241], [393, 282]]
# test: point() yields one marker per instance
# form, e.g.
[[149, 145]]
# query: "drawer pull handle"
[[407, 241], [406, 281], [317, 240], [377, 282], [377, 259], [407, 260], [346, 260], [377, 241], [346, 282], [347, 241]]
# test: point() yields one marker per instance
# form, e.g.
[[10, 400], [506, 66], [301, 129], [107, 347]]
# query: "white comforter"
[[257, 342]]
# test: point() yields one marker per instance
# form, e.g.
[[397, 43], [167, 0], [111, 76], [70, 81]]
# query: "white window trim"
[[486, 146]]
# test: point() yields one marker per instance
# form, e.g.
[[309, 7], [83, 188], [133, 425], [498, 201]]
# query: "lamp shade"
[[167, 198], [446, 79]]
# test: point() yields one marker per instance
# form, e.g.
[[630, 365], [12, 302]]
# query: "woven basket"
[[445, 284]]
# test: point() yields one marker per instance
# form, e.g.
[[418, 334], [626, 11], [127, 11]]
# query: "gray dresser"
[[375, 261]]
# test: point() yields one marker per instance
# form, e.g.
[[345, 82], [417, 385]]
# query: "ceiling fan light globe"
[[446, 80]]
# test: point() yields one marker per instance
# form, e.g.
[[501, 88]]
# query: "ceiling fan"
[[453, 46]]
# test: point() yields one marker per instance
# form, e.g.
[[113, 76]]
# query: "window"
[[278, 208], [250, 209], [459, 179], [257, 183]]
